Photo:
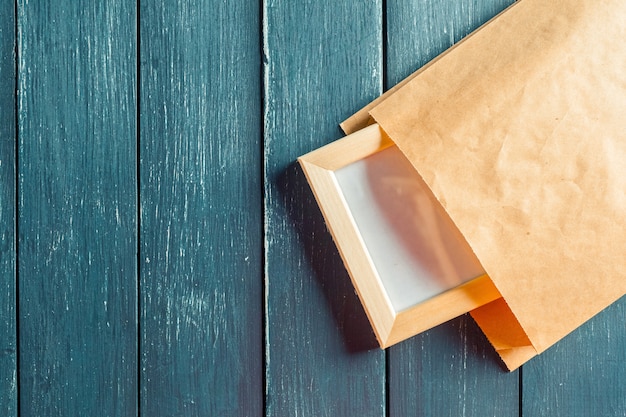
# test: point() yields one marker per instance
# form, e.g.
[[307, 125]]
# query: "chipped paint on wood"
[[77, 208], [8, 324], [201, 218]]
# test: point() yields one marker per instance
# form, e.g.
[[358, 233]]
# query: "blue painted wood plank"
[[201, 204], [450, 370], [582, 375], [77, 208], [323, 61], [418, 30], [8, 342]]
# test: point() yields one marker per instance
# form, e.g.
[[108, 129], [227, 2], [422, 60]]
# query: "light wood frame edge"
[[319, 167], [389, 325]]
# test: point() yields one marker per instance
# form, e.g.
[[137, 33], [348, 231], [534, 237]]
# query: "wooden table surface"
[[161, 253]]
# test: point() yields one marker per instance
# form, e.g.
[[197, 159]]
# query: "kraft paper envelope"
[[520, 132]]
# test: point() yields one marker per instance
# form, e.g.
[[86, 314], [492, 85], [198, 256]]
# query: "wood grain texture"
[[77, 208], [418, 30], [322, 62], [583, 374], [450, 370], [202, 205], [8, 324], [226, 105]]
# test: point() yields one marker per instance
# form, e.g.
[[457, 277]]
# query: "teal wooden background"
[[160, 251]]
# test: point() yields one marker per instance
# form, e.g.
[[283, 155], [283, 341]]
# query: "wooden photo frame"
[[411, 267]]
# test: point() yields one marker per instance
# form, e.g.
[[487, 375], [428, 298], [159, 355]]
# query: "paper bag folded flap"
[[519, 134], [504, 332]]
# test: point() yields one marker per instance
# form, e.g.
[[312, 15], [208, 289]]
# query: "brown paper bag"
[[520, 132]]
